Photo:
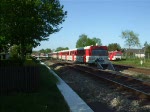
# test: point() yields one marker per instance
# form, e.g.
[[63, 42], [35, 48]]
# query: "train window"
[[99, 52], [72, 52], [75, 53], [80, 52]]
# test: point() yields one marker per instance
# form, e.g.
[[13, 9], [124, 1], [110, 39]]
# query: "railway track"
[[138, 87], [145, 71]]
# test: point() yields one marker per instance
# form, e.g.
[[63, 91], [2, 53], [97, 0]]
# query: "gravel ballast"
[[99, 94]]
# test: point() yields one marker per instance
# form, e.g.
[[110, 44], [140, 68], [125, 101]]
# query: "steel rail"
[[138, 92]]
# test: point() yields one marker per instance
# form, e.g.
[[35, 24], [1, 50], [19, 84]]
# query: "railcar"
[[53, 55], [90, 54], [115, 55]]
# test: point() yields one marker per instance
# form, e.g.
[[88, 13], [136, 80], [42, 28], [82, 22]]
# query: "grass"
[[143, 77], [134, 62], [47, 99]]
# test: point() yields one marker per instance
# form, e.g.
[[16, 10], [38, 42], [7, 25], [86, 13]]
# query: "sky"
[[104, 19]]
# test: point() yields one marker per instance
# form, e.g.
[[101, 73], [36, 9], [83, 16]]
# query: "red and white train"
[[89, 54], [115, 55]]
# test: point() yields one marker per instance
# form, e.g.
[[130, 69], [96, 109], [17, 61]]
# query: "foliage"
[[147, 51], [48, 50], [28, 22], [143, 77], [45, 50], [28, 49], [35, 52], [131, 39], [145, 44], [61, 48], [84, 40], [97, 41], [114, 47], [14, 50], [47, 99], [4, 46], [133, 62]]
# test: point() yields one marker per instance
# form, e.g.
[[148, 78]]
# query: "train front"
[[99, 56]]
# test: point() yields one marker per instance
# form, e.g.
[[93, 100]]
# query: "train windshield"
[[99, 52]]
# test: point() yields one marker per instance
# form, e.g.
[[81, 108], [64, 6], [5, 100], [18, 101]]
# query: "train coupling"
[[104, 64]]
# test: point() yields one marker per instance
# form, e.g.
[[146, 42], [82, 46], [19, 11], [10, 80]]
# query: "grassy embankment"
[[46, 99]]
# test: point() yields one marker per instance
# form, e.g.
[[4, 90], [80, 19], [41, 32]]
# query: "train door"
[[86, 56], [66, 54], [73, 55], [89, 57], [80, 55]]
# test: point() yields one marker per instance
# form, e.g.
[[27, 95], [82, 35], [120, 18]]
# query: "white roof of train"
[[81, 48]]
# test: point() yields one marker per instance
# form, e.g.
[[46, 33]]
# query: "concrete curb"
[[75, 103]]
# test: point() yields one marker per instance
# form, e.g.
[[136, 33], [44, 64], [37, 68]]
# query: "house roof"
[[137, 51]]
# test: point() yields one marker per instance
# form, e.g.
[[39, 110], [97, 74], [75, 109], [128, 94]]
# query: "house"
[[140, 53]]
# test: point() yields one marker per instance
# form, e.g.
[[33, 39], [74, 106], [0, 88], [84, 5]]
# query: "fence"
[[19, 79]]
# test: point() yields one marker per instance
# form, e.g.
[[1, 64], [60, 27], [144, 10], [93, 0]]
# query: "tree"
[[28, 49], [28, 22], [81, 42], [14, 52], [147, 50], [84, 40], [131, 39], [113, 47], [145, 44], [42, 51], [97, 41], [45, 51], [61, 48], [4, 45], [48, 50]]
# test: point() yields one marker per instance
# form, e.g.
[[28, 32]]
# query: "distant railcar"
[[115, 55], [53, 55]]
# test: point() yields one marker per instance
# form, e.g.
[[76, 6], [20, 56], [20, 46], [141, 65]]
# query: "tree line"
[[131, 40]]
